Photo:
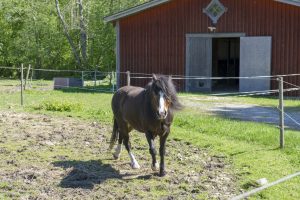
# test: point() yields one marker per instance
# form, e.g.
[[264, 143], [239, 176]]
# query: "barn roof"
[[154, 3]]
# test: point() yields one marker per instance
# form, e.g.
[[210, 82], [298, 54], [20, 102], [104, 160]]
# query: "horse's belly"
[[136, 125], [133, 116]]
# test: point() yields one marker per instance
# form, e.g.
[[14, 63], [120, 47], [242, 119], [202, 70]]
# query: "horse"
[[149, 110]]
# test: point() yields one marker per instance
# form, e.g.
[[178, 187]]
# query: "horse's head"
[[160, 95]]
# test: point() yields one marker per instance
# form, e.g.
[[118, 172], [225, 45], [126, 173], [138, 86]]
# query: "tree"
[[67, 34], [33, 32]]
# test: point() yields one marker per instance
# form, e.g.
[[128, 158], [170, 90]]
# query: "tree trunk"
[[38, 58], [83, 34], [75, 53]]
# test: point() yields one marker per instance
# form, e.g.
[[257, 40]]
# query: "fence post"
[[128, 78], [110, 78], [281, 112], [95, 78], [82, 78], [22, 88], [31, 78], [27, 76], [112, 81]]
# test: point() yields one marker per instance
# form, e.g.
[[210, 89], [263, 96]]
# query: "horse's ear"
[[169, 78], [154, 78]]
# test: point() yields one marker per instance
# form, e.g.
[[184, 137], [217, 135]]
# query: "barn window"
[[215, 10]]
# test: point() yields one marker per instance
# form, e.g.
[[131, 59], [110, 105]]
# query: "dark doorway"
[[225, 63]]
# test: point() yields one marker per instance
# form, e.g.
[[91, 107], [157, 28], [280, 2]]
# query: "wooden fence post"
[[281, 112], [128, 78], [22, 88], [27, 76], [32, 71], [110, 78], [82, 78], [95, 78], [111, 81]]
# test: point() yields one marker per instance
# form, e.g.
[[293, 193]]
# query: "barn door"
[[198, 63], [255, 60]]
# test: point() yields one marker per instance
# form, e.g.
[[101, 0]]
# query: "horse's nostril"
[[161, 114]]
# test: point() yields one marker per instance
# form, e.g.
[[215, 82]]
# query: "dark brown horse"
[[149, 110]]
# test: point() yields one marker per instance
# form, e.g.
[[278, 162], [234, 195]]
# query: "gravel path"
[[244, 112]]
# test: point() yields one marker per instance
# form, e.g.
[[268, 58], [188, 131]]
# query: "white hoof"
[[117, 152], [116, 156], [155, 167], [135, 166]]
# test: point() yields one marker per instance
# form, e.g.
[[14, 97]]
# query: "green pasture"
[[251, 148]]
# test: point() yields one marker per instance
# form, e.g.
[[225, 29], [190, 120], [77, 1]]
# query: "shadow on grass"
[[254, 150], [85, 174]]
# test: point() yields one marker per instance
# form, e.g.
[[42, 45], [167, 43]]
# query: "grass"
[[252, 148]]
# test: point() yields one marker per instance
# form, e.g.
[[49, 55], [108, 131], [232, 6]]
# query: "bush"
[[59, 106]]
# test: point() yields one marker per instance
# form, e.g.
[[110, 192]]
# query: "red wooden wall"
[[153, 41]]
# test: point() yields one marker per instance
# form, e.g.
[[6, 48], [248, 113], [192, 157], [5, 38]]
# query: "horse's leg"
[[162, 152], [134, 163], [152, 150], [118, 148]]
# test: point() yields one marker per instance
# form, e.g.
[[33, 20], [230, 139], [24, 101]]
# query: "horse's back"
[[126, 96]]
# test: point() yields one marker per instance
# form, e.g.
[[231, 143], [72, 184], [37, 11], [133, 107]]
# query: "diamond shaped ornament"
[[215, 10]]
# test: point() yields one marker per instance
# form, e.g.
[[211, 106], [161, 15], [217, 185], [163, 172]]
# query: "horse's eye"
[[156, 90]]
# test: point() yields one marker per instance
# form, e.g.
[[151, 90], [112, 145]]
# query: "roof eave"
[[294, 3], [134, 10], [153, 3]]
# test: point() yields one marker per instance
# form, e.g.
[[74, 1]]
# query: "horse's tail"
[[114, 135]]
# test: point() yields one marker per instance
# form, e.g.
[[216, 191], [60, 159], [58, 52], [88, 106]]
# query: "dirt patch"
[[9, 87], [43, 157]]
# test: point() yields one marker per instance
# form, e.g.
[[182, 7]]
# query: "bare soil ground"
[[43, 157], [9, 88], [14, 86]]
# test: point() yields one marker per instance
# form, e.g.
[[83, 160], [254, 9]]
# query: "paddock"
[[55, 145]]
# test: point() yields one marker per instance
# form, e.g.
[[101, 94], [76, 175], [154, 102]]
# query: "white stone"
[[262, 181]]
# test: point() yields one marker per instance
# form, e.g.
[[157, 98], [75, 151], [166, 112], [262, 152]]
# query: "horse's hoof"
[[162, 173], [116, 157], [135, 166], [155, 167]]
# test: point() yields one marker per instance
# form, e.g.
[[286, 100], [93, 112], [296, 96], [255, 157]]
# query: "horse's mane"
[[167, 85]]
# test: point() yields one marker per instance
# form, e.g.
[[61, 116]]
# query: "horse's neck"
[[147, 101]]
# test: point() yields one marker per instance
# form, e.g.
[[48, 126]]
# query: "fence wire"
[[95, 81], [254, 191]]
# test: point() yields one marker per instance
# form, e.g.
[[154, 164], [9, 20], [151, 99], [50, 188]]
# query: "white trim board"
[[154, 3], [134, 10], [291, 2], [216, 35]]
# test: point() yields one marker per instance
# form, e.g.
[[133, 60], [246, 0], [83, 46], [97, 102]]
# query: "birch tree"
[[67, 34]]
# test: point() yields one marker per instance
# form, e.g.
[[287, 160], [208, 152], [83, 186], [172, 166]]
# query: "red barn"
[[211, 38]]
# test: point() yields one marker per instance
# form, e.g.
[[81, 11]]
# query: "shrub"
[[59, 106]]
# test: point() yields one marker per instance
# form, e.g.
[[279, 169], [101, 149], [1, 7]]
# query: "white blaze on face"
[[161, 108]]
